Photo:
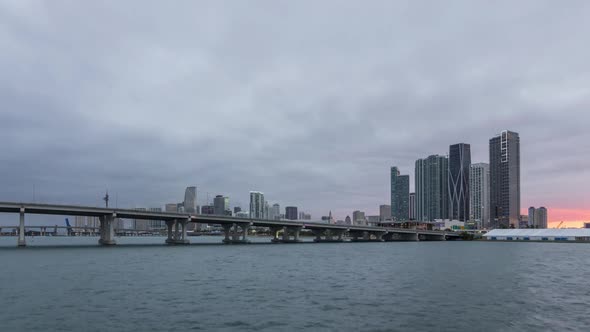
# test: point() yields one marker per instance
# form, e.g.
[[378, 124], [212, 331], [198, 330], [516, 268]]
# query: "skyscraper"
[[275, 212], [358, 218], [459, 168], [256, 205], [220, 205], [479, 191], [385, 212], [412, 206], [505, 179], [532, 217], [432, 188], [541, 217], [400, 195], [291, 212], [190, 200]]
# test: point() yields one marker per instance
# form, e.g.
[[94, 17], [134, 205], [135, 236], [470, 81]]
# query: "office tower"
[[532, 217], [458, 182], [256, 205], [412, 206], [291, 213], [541, 217], [431, 178], [347, 220], [505, 179], [190, 200], [274, 212], [208, 209], [220, 205], [385, 212], [479, 191], [266, 210], [400, 195], [358, 218]]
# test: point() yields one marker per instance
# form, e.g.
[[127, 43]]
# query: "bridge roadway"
[[235, 229]]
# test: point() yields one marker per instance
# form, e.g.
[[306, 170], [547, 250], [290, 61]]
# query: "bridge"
[[235, 229]]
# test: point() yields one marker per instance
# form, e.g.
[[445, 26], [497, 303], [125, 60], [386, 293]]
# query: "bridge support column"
[[107, 230], [177, 232], [288, 232], [233, 235], [327, 235], [21, 229]]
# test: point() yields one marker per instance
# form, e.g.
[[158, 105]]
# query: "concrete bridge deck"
[[236, 229]]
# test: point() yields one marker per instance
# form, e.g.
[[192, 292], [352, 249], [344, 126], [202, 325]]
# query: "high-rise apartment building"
[[400, 195], [412, 206], [505, 179], [257, 205], [431, 179], [274, 213], [531, 220], [479, 192], [385, 212], [459, 168], [291, 213], [541, 217], [221, 205]]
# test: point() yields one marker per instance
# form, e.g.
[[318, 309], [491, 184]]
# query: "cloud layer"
[[310, 102]]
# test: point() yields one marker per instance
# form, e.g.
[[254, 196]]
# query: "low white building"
[[547, 234], [442, 224]]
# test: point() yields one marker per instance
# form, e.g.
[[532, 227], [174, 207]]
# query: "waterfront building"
[[156, 224], [138, 224], [541, 217], [256, 205], [479, 192], [220, 205], [458, 182], [347, 220], [373, 220], [359, 218], [542, 235], [190, 200], [505, 179], [400, 195], [412, 206], [385, 212], [291, 213], [532, 216], [431, 179]]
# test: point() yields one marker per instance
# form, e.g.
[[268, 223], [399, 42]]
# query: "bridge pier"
[[432, 237], [401, 237], [21, 229], [367, 236], [107, 230], [328, 235], [177, 232], [290, 234], [233, 235]]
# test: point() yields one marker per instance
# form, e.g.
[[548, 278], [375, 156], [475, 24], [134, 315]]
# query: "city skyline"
[[306, 114]]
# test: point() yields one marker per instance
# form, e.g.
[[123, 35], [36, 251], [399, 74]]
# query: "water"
[[425, 286]]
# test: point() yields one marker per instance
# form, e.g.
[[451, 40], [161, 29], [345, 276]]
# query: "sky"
[[310, 102]]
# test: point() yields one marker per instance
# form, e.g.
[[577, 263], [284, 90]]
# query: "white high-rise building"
[[479, 191], [531, 221], [541, 217], [257, 205], [190, 200]]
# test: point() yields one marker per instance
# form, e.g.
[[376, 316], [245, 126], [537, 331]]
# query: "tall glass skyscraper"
[[431, 178], [479, 191], [505, 179], [459, 167], [190, 200], [400, 195], [257, 205]]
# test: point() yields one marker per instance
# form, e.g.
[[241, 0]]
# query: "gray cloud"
[[308, 101]]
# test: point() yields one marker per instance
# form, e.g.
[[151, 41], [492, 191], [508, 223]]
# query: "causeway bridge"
[[235, 229]]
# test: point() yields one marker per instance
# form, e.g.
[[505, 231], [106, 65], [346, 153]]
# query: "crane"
[[559, 226]]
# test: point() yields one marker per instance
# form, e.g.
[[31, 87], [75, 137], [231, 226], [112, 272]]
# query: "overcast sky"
[[309, 102]]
